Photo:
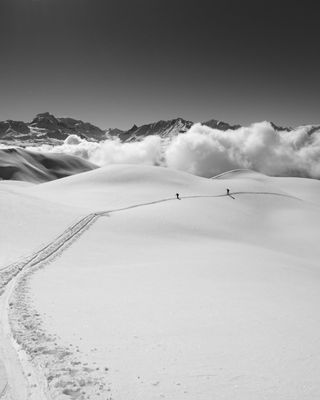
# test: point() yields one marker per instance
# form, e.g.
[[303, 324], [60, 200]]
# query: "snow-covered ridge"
[[164, 129]]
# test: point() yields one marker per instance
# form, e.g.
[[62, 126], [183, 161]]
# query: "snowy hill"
[[22, 165], [151, 297]]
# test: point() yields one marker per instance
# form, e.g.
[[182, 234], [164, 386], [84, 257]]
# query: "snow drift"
[[207, 152]]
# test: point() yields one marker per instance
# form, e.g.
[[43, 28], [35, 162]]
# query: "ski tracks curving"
[[10, 275]]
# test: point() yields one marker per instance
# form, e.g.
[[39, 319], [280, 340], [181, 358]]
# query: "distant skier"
[[177, 194], [228, 192]]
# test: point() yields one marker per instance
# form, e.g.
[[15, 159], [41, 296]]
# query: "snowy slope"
[[28, 166], [26, 222], [209, 297]]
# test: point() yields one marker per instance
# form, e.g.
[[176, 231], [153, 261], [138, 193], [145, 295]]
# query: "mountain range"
[[45, 128]]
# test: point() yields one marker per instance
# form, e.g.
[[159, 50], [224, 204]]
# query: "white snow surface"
[[209, 297], [26, 222]]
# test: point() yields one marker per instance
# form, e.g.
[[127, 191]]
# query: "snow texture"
[[123, 292]]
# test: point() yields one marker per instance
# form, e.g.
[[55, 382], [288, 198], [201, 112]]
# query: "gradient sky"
[[119, 62]]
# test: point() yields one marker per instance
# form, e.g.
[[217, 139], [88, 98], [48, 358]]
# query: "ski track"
[[12, 274]]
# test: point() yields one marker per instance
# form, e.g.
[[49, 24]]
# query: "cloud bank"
[[208, 152], [147, 151]]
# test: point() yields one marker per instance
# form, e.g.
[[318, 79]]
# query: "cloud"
[[147, 151], [207, 152]]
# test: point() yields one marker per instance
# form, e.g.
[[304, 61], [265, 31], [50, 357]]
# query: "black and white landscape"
[[144, 255]]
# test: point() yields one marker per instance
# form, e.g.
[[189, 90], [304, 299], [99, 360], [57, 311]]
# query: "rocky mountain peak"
[[45, 121], [220, 125]]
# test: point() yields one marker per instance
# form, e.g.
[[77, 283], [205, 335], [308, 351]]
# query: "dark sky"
[[119, 62]]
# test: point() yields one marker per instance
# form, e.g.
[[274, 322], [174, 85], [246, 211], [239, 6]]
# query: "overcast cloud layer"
[[207, 152]]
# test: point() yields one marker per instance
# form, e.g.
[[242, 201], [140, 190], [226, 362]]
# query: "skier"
[[177, 194], [228, 192]]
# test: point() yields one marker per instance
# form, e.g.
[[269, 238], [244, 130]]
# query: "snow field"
[[207, 297]]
